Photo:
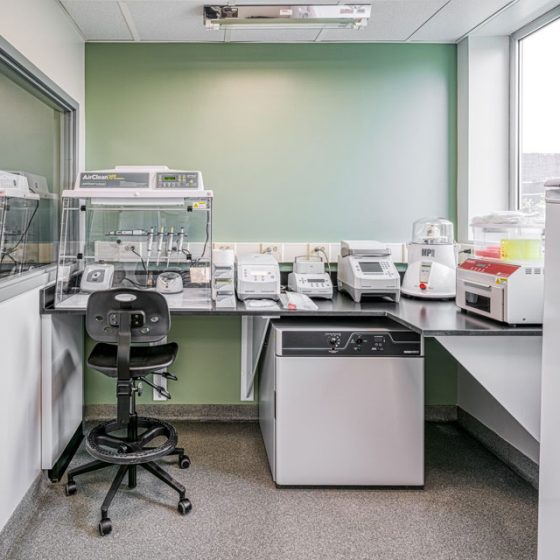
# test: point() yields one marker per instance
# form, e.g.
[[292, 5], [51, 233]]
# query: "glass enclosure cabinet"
[[17, 220], [147, 243]]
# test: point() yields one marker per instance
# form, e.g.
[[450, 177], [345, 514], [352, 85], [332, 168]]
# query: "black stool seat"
[[104, 444], [143, 359]]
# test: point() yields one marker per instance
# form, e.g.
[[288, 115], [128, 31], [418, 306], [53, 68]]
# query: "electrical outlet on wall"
[[318, 249], [224, 245], [274, 249]]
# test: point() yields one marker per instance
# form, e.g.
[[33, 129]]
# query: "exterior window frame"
[[516, 99]]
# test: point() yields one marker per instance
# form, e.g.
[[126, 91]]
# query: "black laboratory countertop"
[[431, 318]]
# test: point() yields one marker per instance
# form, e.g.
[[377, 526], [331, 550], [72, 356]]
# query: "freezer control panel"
[[351, 343]]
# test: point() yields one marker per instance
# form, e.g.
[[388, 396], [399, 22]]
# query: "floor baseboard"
[[17, 524], [190, 412], [512, 457], [440, 413]]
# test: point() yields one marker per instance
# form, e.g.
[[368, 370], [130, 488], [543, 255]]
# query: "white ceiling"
[[391, 20]]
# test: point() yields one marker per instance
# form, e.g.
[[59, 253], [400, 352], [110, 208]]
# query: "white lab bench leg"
[[62, 383]]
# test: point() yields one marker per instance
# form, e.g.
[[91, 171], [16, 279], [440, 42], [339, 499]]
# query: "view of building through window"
[[539, 133]]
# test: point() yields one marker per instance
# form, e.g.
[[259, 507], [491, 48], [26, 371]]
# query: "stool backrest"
[[146, 310]]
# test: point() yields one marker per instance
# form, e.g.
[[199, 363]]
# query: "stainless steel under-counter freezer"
[[342, 403]]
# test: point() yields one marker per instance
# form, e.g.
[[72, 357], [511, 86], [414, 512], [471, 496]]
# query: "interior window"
[[37, 160], [539, 114]]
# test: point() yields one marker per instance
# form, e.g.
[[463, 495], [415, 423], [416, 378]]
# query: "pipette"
[[181, 238], [149, 247], [169, 245], [160, 245]]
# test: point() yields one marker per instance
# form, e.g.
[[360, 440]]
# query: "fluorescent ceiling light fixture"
[[272, 16]]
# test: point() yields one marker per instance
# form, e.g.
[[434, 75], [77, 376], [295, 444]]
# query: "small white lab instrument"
[[432, 261], [505, 278], [97, 277], [296, 301], [169, 282], [223, 278], [367, 268], [309, 278], [15, 185], [342, 403], [258, 277]]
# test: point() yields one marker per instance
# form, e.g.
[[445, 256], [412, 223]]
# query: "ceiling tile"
[[164, 20], [515, 17], [98, 20], [391, 20], [457, 18]]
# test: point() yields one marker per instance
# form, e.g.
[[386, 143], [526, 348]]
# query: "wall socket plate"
[[223, 245], [318, 249], [273, 249]]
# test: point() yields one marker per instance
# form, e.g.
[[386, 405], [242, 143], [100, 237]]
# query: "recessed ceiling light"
[[313, 16]]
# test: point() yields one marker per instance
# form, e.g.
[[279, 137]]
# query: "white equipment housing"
[[258, 277], [15, 185], [129, 182], [431, 272], [366, 268], [309, 278], [507, 292]]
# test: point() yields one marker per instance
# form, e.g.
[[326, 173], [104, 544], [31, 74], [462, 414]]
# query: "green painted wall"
[[207, 366], [298, 142], [348, 141], [209, 361]]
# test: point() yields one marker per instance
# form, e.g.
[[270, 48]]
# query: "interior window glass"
[[30, 145]]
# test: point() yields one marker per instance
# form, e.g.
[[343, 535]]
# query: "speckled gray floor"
[[472, 508]]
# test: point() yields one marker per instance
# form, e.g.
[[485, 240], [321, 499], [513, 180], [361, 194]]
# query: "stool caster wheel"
[[184, 506], [184, 462], [70, 488], [105, 526]]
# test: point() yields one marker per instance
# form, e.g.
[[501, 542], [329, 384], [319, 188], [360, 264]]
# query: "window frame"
[[26, 75], [516, 99]]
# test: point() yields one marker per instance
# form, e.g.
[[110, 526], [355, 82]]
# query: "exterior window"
[[539, 115]]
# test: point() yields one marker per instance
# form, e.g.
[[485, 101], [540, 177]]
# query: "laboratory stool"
[[116, 319]]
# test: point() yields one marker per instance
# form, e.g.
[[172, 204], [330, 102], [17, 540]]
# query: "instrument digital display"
[[370, 267]]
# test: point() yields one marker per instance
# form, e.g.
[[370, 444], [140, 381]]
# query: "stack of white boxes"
[[223, 278]]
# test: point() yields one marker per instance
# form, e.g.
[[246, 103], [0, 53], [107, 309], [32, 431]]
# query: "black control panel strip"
[[351, 343]]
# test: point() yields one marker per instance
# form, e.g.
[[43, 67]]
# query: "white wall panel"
[[20, 399]]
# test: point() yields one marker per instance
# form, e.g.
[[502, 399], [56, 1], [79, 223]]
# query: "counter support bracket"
[[508, 368], [253, 336]]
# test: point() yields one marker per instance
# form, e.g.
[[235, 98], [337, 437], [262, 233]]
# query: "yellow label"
[[500, 281]]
